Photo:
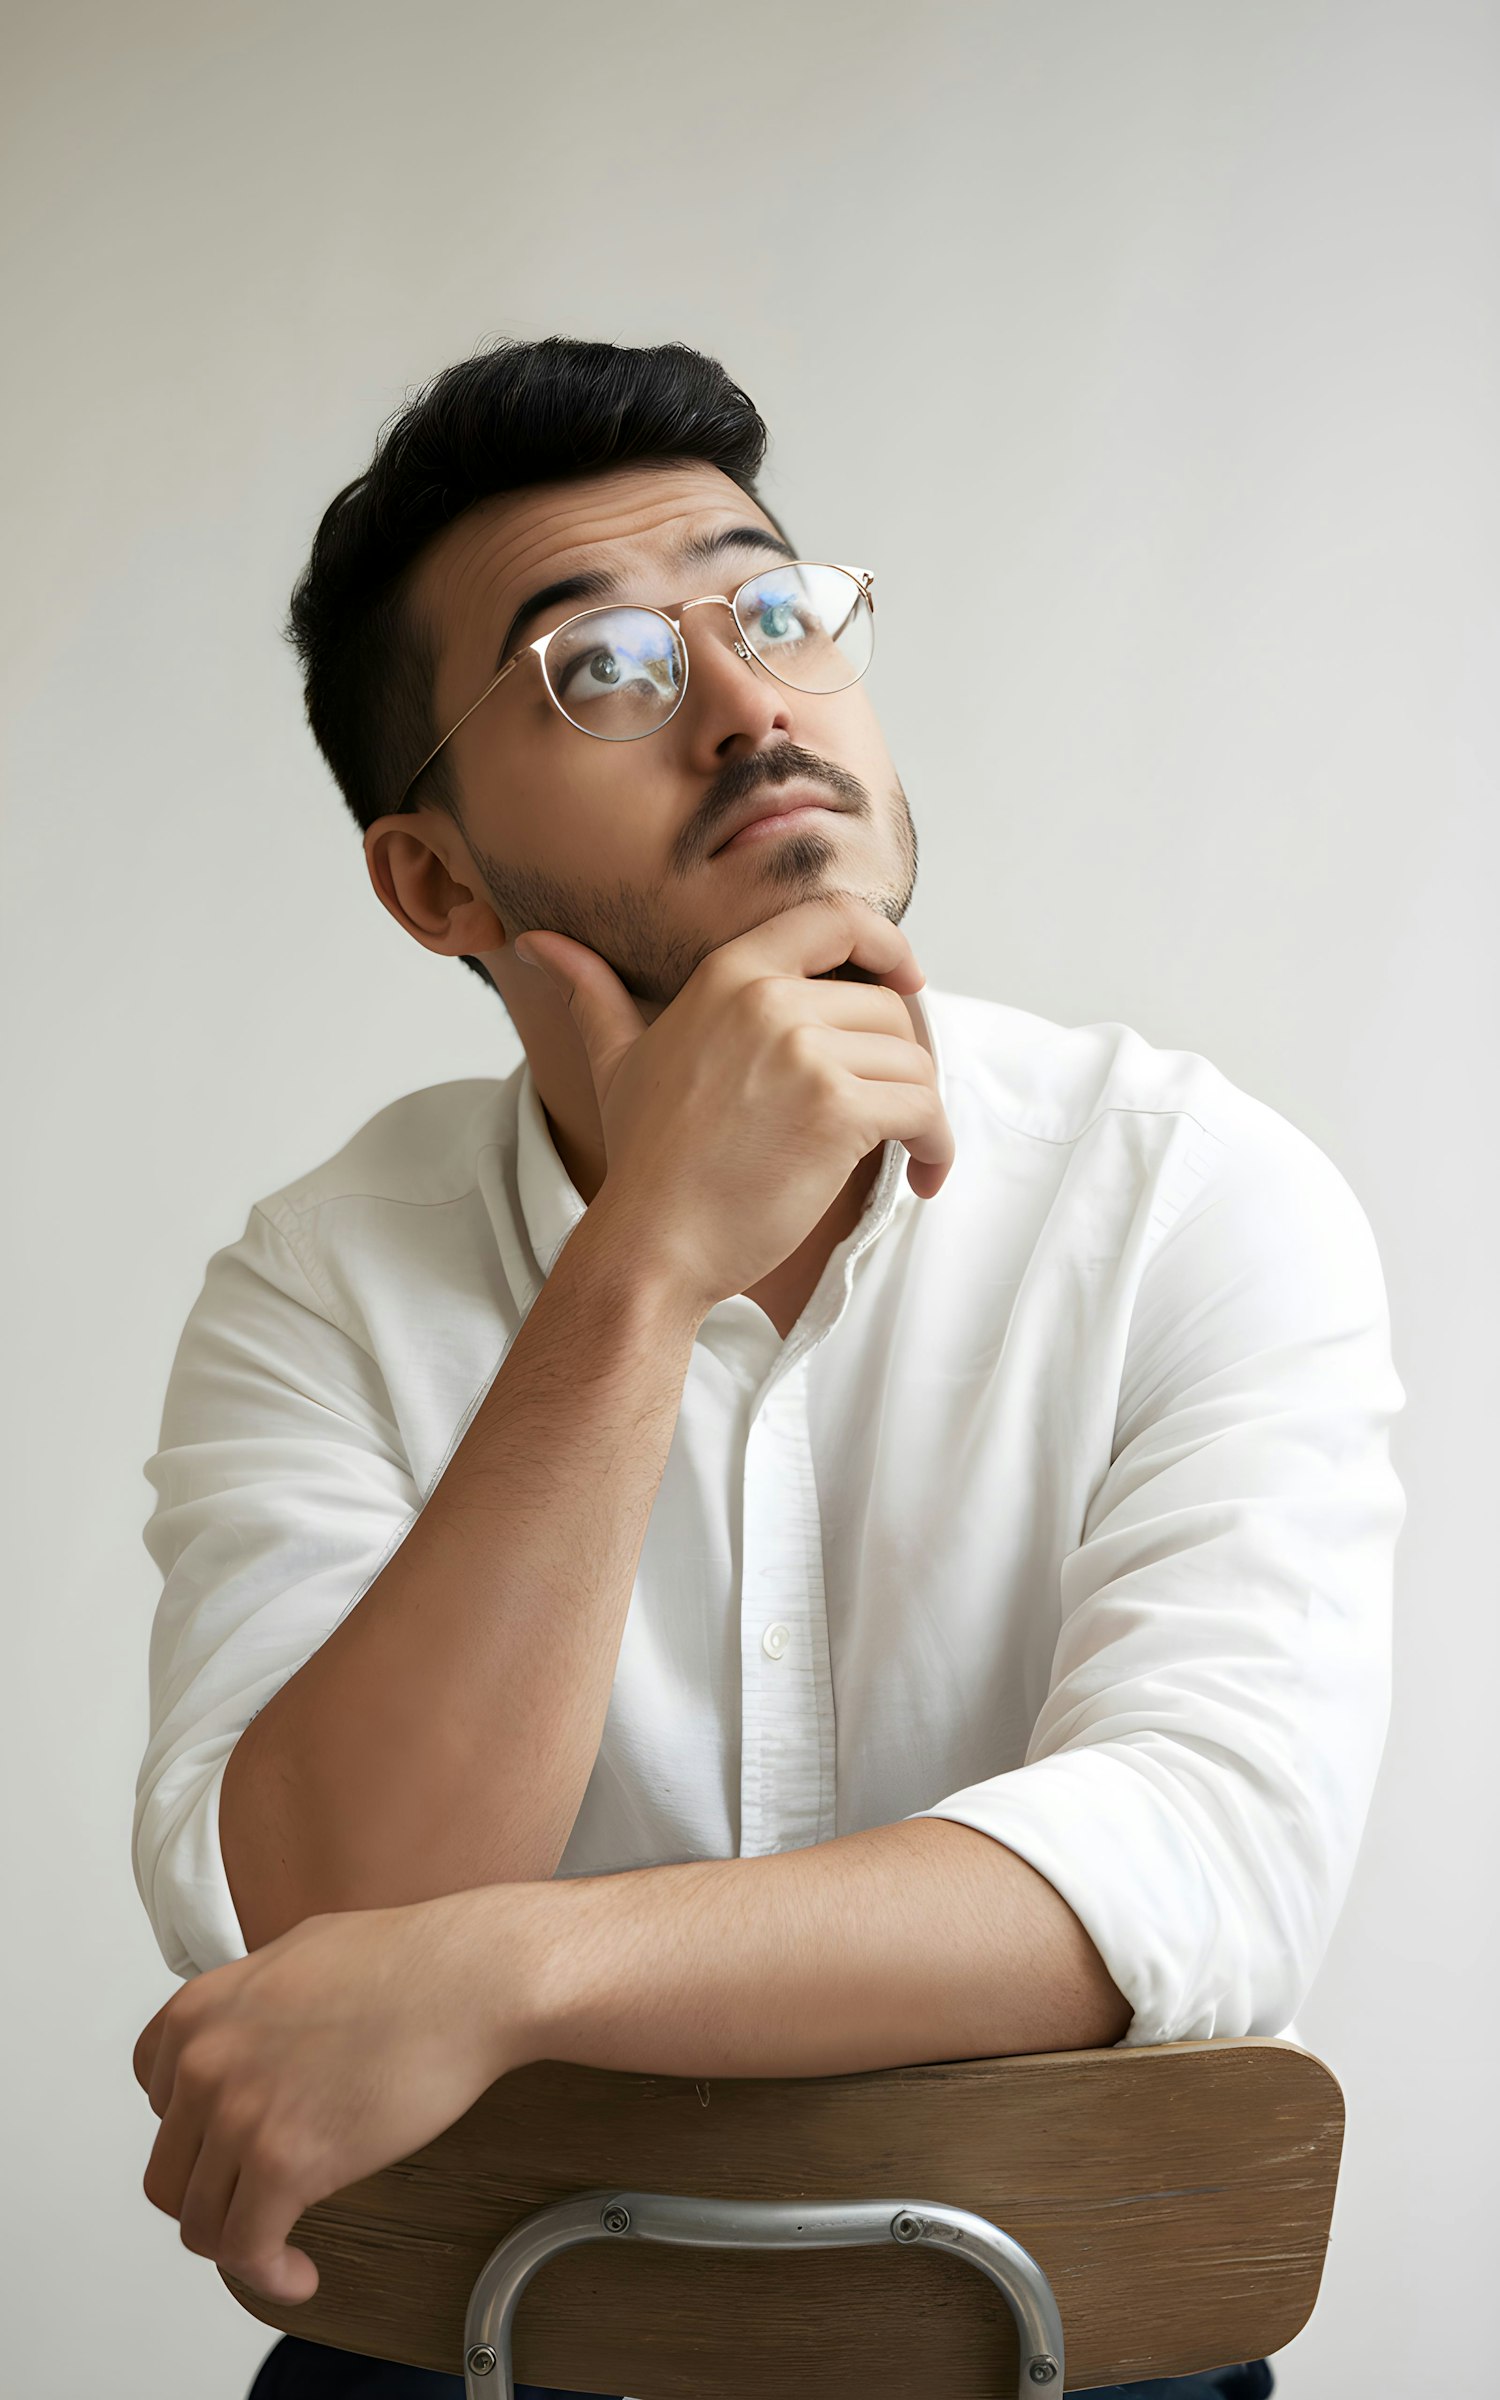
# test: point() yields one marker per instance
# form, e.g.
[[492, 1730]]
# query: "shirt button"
[[774, 1640]]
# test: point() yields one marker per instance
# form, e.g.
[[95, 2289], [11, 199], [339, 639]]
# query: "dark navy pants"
[[298, 2370]]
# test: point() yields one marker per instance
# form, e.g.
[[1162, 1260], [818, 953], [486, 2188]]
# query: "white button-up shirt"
[[1065, 1510]]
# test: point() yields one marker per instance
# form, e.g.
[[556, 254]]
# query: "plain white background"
[[1148, 351]]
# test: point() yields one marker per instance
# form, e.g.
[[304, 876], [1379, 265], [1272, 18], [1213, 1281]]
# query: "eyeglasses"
[[621, 673]]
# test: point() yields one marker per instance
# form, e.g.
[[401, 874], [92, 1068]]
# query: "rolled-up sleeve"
[[1197, 1781], [281, 1491]]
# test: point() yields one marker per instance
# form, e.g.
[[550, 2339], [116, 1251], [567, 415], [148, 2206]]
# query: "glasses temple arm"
[[864, 579], [513, 661]]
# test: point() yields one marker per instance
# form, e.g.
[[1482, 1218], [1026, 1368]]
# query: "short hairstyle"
[[521, 412]]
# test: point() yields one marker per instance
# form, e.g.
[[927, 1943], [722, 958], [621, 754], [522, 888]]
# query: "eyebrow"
[[597, 583]]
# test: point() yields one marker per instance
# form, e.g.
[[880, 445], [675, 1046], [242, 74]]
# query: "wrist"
[[490, 1948], [555, 1944], [625, 1248]]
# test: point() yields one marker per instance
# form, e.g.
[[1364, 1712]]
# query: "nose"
[[731, 698]]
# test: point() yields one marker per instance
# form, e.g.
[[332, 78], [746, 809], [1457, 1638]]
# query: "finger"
[[875, 1057], [855, 1007], [163, 2080], [208, 2192], [608, 1020], [820, 934], [147, 2043], [266, 2203], [174, 2154], [191, 2006], [914, 1116]]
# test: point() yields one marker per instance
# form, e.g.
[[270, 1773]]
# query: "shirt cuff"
[[1101, 1825], [186, 1889]]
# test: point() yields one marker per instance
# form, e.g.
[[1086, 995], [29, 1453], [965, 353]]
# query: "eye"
[[778, 618], [778, 615], [616, 672], [594, 672]]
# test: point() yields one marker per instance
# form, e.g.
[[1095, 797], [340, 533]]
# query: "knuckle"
[[267, 2154], [189, 2002], [715, 972], [805, 1052], [192, 2080], [762, 997], [198, 2070], [237, 2119]]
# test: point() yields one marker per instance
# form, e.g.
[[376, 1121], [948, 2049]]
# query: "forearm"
[[914, 1941], [442, 1737]]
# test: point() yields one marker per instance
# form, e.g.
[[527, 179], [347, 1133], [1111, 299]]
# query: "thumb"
[[287, 2275], [608, 1021]]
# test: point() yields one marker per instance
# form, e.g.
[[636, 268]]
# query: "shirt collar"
[[550, 1202]]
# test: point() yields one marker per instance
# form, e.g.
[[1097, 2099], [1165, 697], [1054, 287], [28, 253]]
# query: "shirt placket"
[[787, 1755]]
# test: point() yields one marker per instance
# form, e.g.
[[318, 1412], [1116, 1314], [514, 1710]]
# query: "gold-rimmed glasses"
[[620, 672]]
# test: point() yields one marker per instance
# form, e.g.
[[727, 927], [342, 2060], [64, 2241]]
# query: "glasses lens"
[[616, 672], [812, 626]]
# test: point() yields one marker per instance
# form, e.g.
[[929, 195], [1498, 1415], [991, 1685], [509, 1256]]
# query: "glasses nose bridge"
[[741, 647], [709, 600]]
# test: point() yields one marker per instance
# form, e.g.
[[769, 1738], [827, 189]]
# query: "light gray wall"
[[1148, 351]]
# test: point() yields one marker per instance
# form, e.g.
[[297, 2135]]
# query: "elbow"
[[294, 1847], [256, 1817]]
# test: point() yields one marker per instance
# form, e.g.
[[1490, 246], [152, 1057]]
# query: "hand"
[[343, 2045], [733, 1121]]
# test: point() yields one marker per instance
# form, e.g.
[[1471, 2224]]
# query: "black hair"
[[521, 412]]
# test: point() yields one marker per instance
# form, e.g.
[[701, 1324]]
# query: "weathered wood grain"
[[1178, 2197]]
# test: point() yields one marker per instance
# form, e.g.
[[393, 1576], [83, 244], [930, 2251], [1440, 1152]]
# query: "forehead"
[[473, 577]]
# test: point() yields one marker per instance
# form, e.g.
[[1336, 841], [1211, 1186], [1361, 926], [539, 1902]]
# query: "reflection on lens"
[[616, 672], [811, 625]]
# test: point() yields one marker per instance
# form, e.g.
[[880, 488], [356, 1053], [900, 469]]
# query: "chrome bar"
[[612, 2215]]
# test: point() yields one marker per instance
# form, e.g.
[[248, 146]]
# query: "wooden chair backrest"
[[1178, 2198]]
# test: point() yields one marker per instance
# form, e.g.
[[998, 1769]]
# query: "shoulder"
[[408, 1202], [425, 1149], [1104, 1101], [1056, 1081], [1059, 1083]]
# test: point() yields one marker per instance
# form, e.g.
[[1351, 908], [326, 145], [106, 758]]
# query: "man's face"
[[614, 843]]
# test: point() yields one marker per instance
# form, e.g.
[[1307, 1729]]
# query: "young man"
[[817, 1525]]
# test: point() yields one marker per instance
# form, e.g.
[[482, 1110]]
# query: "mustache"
[[787, 763]]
